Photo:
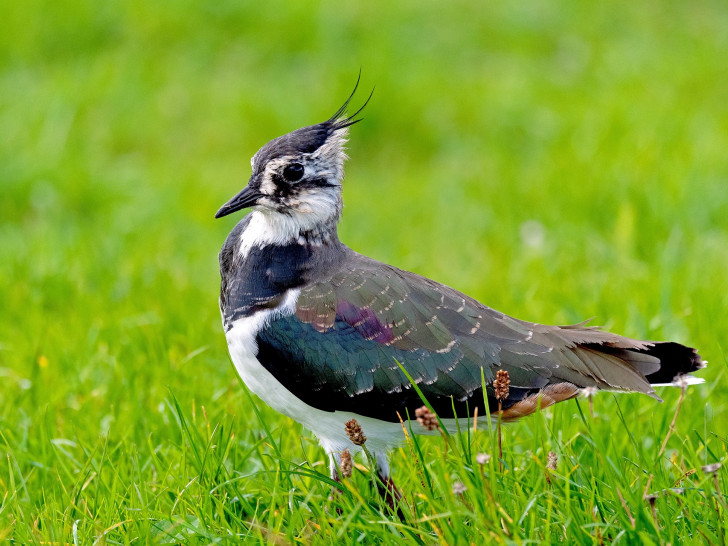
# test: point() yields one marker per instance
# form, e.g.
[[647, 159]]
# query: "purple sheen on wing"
[[365, 321]]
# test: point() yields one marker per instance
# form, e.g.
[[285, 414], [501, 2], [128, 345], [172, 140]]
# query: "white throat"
[[313, 221]]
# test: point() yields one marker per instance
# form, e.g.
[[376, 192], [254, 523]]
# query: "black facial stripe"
[[285, 189], [318, 183]]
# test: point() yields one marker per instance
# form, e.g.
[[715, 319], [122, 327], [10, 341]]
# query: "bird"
[[326, 335]]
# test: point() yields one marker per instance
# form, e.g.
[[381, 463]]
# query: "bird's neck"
[[294, 227]]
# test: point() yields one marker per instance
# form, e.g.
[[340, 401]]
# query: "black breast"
[[261, 278]]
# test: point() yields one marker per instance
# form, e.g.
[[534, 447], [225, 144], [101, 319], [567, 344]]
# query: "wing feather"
[[350, 331]]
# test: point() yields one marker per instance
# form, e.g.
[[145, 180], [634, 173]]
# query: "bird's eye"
[[293, 172]]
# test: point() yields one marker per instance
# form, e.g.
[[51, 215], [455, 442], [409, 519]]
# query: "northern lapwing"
[[318, 331]]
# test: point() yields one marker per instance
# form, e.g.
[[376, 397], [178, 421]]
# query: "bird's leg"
[[334, 463], [388, 489], [386, 486]]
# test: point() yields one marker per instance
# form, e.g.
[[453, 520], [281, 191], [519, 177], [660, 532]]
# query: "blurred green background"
[[556, 160]]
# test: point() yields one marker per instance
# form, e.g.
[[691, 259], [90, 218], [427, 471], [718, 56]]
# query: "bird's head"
[[299, 175]]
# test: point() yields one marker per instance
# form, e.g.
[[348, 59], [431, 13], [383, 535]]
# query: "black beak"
[[246, 198]]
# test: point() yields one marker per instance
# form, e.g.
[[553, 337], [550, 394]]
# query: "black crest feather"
[[340, 120], [309, 139]]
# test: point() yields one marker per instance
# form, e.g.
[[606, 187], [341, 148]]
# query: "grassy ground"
[[555, 160]]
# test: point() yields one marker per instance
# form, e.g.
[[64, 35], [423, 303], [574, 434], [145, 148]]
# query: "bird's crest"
[[340, 120], [323, 140]]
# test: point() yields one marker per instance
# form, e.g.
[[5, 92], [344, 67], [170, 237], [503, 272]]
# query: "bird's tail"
[[649, 364], [594, 357], [675, 361]]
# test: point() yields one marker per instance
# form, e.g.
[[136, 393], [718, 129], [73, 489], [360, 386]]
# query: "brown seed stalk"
[[550, 465], [501, 385], [346, 464], [589, 393], [552, 460], [482, 458], [427, 419], [353, 430], [626, 508]]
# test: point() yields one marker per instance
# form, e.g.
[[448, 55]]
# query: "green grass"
[[557, 161]]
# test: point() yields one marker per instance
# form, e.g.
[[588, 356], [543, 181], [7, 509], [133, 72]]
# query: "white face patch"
[[273, 167], [269, 227]]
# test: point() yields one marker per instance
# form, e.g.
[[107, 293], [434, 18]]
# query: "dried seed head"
[[353, 430], [711, 468], [426, 418], [458, 488], [681, 380], [501, 385], [588, 392], [551, 461], [482, 458], [345, 465]]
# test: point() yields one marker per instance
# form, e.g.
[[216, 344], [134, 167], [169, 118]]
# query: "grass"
[[554, 160]]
